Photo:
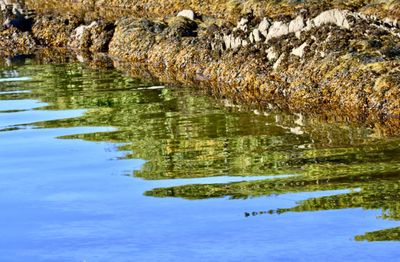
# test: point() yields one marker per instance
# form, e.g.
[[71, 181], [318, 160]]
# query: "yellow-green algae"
[[345, 73]]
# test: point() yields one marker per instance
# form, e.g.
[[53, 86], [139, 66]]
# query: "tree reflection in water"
[[182, 134]]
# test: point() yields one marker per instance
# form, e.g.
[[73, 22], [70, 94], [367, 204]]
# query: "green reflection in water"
[[183, 134]]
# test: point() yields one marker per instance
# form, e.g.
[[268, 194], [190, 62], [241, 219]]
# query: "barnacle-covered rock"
[[55, 30], [94, 37]]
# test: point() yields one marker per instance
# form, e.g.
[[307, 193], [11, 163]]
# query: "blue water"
[[77, 200]]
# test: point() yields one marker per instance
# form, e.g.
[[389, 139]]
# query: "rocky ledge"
[[340, 60]]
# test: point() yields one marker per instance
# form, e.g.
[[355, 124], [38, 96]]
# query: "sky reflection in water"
[[97, 166]]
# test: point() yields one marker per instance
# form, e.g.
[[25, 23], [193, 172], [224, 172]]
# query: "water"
[[97, 166]]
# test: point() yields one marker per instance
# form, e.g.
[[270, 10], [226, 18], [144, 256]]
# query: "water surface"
[[98, 166]]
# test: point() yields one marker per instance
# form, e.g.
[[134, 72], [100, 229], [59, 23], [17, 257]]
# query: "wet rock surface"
[[319, 59]]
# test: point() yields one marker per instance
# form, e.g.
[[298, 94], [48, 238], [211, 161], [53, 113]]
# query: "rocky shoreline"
[[339, 59]]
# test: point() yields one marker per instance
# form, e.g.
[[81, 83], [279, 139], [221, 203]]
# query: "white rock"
[[390, 22], [297, 24], [245, 43], [227, 41], [80, 58], [243, 22], [296, 130], [257, 35], [189, 14], [299, 51], [251, 37], [278, 62], [78, 32], [360, 16], [309, 25], [334, 16], [277, 29], [236, 43], [233, 43], [4, 4], [242, 25], [264, 26], [271, 54]]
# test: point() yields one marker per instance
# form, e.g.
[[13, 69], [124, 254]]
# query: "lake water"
[[97, 166]]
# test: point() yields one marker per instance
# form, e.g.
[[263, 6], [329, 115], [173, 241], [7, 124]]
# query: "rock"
[[232, 42], [151, 26], [242, 24], [227, 41], [258, 37], [277, 29], [299, 51], [78, 32], [19, 22], [251, 38], [236, 43], [297, 24], [388, 22], [189, 14], [14, 16], [94, 37], [264, 26], [182, 27], [272, 54], [278, 62], [334, 16], [77, 38], [4, 4]]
